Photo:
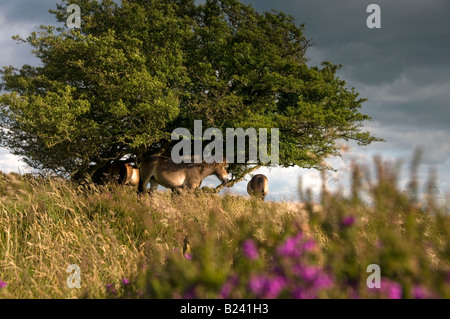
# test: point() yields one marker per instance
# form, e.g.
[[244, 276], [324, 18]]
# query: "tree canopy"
[[135, 71]]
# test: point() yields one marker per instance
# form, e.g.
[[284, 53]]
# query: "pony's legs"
[[179, 191], [144, 178], [153, 185]]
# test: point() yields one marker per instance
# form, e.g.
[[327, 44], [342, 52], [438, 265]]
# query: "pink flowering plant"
[[324, 254]]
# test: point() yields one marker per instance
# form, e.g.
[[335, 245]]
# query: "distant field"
[[209, 246]]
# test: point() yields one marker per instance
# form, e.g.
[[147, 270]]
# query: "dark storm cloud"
[[28, 11], [419, 97], [21, 17], [403, 68], [414, 32]]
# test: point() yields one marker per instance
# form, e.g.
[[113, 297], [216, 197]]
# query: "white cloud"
[[403, 140], [11, 163]]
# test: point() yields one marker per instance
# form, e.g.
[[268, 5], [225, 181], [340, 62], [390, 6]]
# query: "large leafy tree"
[[137, 70]]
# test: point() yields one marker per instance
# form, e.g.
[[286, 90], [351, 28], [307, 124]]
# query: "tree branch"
[[238, 179]]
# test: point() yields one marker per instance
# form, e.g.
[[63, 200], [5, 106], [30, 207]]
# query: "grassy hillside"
[[209, 246]]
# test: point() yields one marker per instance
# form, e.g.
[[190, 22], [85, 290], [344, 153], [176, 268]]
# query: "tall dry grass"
[[47, 225], [209, 246]]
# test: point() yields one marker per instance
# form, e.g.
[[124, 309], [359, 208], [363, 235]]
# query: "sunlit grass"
[[209, 246]]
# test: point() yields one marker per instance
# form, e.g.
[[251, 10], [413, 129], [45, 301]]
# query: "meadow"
[[204, 245]]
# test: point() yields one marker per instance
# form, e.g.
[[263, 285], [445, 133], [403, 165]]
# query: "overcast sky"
[[403, 69]]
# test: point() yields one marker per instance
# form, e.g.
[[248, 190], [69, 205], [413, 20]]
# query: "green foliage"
[[100, 92], [138, 70]]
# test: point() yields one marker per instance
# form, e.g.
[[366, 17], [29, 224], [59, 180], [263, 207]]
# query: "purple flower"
[[3, 284], [110, 289], [228, 287], [302, 293], [250, 250], [420, 292], [309, 273], [314, 276], [274, 287], [257, 284], [268, 288], [354, 294], [191, 293], [309, 245], [316, 281], [125, 281], [379, 244], [290, 248], [347, 221], [188, 256], [323, 281], [225, 290], [392, 289]]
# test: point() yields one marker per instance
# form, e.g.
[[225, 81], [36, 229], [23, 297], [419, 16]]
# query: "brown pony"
[[124, 173], [161, 170], [258, 186]]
